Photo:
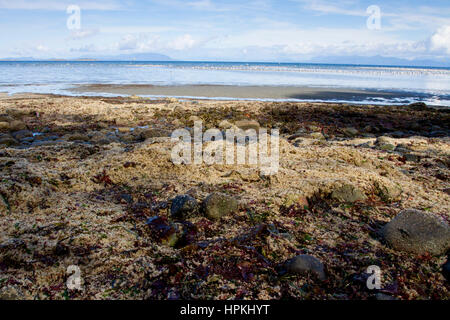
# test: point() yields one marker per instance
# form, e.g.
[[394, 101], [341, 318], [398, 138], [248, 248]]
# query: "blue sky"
[[255, 30]]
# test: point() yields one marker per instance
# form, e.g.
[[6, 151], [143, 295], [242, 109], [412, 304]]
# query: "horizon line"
[[218, 61]]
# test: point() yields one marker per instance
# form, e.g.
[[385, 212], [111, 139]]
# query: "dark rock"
[[61, 250], [446, 270], [184, 206], [348, 193], [370, 129], [418, 106], [410, 157], [398, 134], [218, 205], [418, 232], [436, 134], [350, 132], [154, 133], [304, 264]]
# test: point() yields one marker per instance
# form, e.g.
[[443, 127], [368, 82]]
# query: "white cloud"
[[183, 43], [139, 42], [201, 4], [441, 39], [326, 7], [83, 33], [395, 49], [41, 48], [122, 29]]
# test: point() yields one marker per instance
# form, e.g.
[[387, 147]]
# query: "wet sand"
[[242, 92]]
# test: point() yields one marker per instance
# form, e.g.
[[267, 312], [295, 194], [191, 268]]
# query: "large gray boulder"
[[418, 232]]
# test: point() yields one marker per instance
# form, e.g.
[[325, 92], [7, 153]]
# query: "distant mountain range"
[[133, 57], [353, 60]]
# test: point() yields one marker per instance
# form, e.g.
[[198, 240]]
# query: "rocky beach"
[[89, 182]]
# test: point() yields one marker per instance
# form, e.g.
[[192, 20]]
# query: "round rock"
[[218, 205], [418, 232], [184, 206], [304, 264]]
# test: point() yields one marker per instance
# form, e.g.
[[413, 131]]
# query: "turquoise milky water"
[[431, 85]]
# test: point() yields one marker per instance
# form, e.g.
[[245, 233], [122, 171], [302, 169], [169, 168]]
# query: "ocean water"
[[431, 85]]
